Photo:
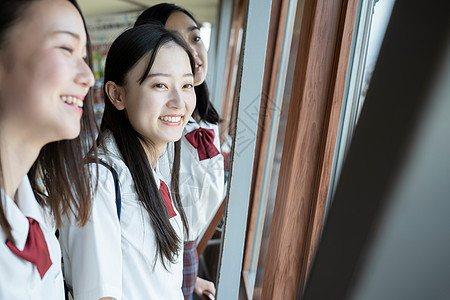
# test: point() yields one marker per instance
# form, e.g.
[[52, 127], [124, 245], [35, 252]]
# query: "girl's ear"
[[116, 94]]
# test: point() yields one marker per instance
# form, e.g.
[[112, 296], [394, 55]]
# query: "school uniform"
[[201, 187], [112, 258], [201, 181], [20, 278]]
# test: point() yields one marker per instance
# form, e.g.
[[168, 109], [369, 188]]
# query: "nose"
[[176, 99], [193, 50], [84, 77]]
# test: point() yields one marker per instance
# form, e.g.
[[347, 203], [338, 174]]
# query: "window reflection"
[[380, 19], [370, 27]]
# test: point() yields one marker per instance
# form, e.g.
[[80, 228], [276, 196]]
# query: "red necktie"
[[164, 191], [35, 250], [203, 140]]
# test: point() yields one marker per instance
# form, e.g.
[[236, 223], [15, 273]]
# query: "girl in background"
[[44, 79], [135, 252], [202, 165]]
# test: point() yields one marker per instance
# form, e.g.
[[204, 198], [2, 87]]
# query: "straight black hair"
[[204, 109], [125, 52], [60, 165]]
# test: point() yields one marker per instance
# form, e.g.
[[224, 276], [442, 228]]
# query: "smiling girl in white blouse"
[[202, 163], [44, 78], [135, 252]]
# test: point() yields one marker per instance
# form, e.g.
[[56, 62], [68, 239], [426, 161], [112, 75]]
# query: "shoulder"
[[110, 155]]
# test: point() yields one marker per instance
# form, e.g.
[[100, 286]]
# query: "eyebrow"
[[74, 35], [192, 28], [167, 75]]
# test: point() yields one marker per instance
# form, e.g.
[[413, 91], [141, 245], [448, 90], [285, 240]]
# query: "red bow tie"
[[35, 250], [203, 140], [164, 191]]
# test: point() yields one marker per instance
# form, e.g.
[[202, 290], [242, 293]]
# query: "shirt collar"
[[17, 214], [165, 163], [113, 152], [157, 175]]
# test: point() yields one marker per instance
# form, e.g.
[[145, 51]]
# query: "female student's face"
[[161, 106], [190, 33], [43, 75]]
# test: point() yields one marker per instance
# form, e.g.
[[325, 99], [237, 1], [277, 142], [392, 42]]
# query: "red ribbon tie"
[[35, 250], [164, 191], [203, 140]]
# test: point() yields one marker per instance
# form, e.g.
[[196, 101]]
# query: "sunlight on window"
[[205, 33]]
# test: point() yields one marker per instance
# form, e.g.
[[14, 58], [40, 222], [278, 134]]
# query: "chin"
[[201, 78], [71, 134], [177, 138]]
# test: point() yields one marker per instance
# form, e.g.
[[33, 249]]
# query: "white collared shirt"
[[108, 258], [202, 187], [19, 278]]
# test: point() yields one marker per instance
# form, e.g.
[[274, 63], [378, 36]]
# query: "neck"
[[153, 153], [196, 117], [17, 156]]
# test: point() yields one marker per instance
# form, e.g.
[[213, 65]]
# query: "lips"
[[198, 65]]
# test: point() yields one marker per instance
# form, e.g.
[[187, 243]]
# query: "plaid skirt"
[[190, 268]]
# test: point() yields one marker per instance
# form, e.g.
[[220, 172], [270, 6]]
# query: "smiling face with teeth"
[[43, 75], [160, 106]]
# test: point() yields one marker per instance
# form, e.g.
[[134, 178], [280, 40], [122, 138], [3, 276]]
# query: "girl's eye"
[[188, 86], [197, 39], [68, 49], [159, 85]]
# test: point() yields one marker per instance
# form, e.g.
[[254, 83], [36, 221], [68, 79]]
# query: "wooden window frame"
[[312, 125], [392, 179], [267, 116]]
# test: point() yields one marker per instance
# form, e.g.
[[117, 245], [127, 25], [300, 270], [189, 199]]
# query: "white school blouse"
[[108, 258], [202, 187], [19, 278]]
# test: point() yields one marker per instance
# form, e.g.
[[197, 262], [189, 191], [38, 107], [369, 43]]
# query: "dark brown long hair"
[[125, 52], [60, 165], [204, 109]]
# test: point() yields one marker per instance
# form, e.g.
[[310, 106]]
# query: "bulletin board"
[[103, 30]]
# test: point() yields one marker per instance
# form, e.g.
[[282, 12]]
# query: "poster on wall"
[[103, 30]]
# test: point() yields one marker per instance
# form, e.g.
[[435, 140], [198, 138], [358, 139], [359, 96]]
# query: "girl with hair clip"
[[202, 165], [131, 248], [44, 80]]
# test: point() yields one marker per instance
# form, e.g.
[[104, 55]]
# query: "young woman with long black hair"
[[202, 164], [44, 83], [133, 249]]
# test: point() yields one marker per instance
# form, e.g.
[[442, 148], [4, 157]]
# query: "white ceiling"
[[203, 10]]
